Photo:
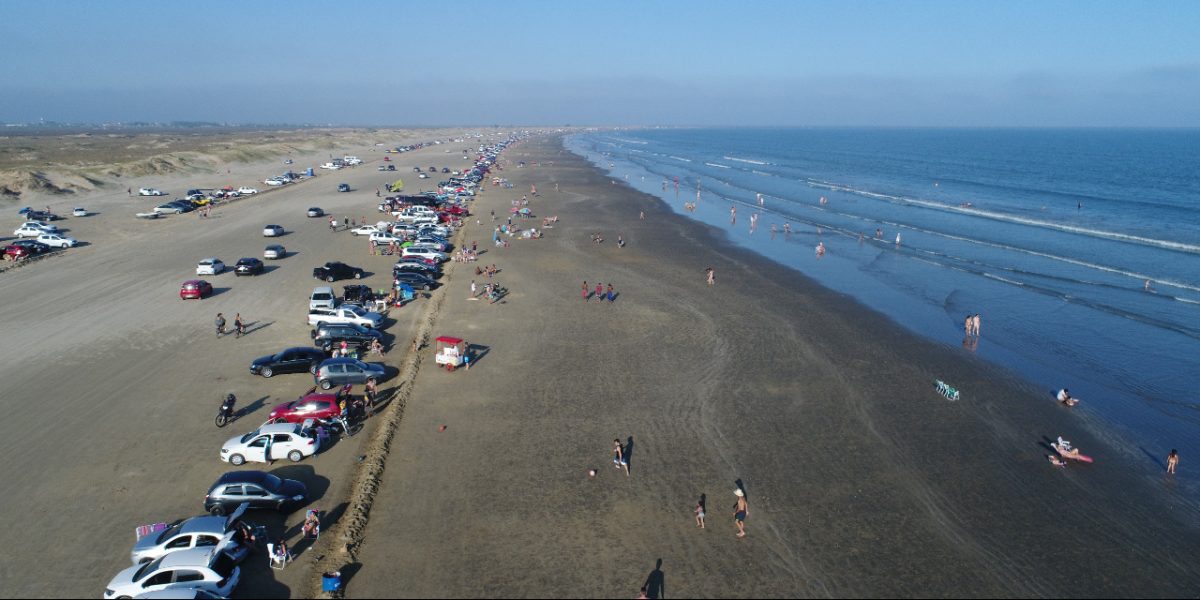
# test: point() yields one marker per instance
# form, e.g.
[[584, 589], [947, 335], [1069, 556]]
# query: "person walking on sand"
[[699, 510], [641, 215], [585, 292], [740, 511], [612, 295], [619, 460], [473, 289], [239, 327], [1172, 460], [600, 292], [710, 275], [975, 325], [220, 323]]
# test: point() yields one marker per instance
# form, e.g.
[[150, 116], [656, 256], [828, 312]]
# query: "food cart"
[[449, 351]]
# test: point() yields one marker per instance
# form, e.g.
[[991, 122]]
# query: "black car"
[[445, 169], [414, 279], [391, 167], [248, 266], [329, 335], [343, 187], [332, 271], [259, 489], [416, 266], [41, 215], [433, 169], [292, 360], [357, 294], [34, 246]]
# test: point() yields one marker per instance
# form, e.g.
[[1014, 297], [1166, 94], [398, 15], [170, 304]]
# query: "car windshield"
[[358, 312], [249, 436], [149, 567]]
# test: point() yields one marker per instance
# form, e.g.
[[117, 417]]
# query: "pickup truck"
[[345, 314]]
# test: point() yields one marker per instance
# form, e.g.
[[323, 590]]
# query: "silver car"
[[340, 371], [197, 532], [274, 252]]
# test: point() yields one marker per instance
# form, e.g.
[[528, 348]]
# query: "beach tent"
[[396, 185]]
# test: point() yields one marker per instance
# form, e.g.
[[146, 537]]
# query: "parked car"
[[390, 167], [418, 266], [256, 488], [424, 253], [330, 335], [272, 231], [312, 406], [428, 241], [196, 532], [416, 169], [445, 169], [332, 271], [40, 215], [364, 230], [269, 443], [34, 228], [316, 212], [248, 266], [422, 176], [357, 294], [439, 230], [274, 181], [169, 208], [292, 360], [246, 191], [274, 252], [414, 279], [150, 192], [340, 371], [346, 313], [79, 211], [204, 568], [195, 289], [385, 238], [322, 297], [343, 187], [210, 266], [17, 252]]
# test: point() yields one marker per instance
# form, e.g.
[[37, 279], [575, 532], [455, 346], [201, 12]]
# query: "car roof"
[[210, 259], [192, 557], [341, 360], [205, 524], [248, 259], [243, 477], [274, 247], [323, 288], [193, 282], [279, 428]]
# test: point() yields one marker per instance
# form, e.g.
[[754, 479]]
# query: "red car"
[[456, 210], [195, 289], [310, 406], [14, 252]]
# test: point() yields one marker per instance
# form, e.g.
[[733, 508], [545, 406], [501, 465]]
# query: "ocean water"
[[1050, 235]]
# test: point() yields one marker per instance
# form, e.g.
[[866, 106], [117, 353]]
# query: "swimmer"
[[1064, 396], [1056, 461]]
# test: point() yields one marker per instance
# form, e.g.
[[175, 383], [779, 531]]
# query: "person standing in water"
[[975, 325], [1172, 461]]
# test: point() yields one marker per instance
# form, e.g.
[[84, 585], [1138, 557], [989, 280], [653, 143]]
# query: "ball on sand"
[[591, 472]]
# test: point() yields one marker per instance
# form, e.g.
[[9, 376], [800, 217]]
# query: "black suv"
[[327, 336], [259, 489], [357, 294], [416, 265], [333, 271], [248, 266], [414, 279]]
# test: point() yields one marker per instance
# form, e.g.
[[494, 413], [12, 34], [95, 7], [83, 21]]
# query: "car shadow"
[[477, 352], [269, 268], [253, 407], [304, 473], [217, 291]]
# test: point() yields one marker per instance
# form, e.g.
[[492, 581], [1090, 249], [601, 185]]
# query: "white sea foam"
[[717, 165], [746, 160], [679, 158]]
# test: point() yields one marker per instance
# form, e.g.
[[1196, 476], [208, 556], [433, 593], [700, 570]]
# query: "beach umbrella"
[[524, 211], [397, 185]]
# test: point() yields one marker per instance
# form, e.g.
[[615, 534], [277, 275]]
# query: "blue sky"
[[1010, 63]]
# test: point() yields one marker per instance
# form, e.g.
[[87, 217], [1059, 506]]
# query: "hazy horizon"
[[936, 64]]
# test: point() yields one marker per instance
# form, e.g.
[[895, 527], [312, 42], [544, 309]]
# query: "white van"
[[322, 297]]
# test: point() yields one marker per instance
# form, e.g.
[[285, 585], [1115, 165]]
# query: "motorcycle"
[[225, 414]]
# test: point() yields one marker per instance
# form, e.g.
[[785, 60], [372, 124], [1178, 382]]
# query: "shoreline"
[[861, 478]]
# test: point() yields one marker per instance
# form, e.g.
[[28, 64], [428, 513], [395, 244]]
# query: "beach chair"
[[278, 561]]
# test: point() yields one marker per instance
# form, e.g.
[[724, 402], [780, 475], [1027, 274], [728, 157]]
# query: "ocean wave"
[[719, 166], [995, 216], [679, 158], [746, 160], [761, 173]]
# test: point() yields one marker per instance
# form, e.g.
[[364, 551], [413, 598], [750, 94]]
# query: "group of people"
[[239, 326], [600, 294]]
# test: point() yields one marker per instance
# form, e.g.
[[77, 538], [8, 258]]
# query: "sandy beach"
[[861, 480]]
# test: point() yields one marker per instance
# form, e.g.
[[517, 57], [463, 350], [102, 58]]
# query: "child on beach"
[[699, 510]]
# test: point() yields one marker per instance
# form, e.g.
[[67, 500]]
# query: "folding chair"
[[277, 562]]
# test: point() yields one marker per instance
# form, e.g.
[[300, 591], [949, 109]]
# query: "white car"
[[246, 191], [383, 237], [56, 240], [427, 241], [272, 231], [439, 230], [346, 313], [270, 442], [34, 229], [422, 176], [151, 192], [196, 532], [365, 230], [424, 253], [79, 212], [208, 569], [210, 266], [274, 252], [274, 181]]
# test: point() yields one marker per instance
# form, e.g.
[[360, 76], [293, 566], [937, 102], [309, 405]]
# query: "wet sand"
[[861, 480]]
